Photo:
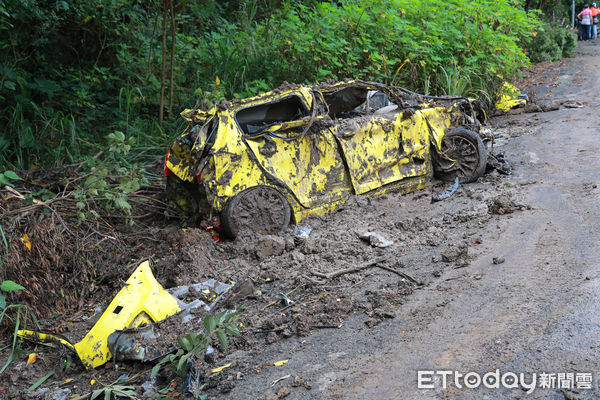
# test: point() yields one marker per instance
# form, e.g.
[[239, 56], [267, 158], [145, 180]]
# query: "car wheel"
[[462, 156], [260, 209], [184, 195]]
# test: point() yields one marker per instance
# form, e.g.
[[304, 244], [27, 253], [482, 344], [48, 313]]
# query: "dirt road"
[[536, 312]]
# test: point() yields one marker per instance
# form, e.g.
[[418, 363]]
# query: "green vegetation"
[[7, 176], [74, 72], [550, 43], [116, 390], [194, 344], [18, 315]]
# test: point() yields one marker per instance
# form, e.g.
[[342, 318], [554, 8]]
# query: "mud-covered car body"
[[315, 146]]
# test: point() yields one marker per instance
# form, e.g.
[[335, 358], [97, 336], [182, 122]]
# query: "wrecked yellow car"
[[263, 162]]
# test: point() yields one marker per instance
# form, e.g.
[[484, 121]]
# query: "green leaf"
[[42, 380], [233, 330], [210, 323], [10, 85], [107, 394], [2, 301], [122, 204], [10, 286], [12, 175], [222, 338], [185, 343], [46, 86], [128, 185], [182, 364]]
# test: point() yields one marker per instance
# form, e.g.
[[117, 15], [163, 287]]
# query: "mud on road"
[[503, 274]]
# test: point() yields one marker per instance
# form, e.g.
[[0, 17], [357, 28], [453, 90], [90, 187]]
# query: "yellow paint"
[[140, 302], [26, 242], [508, 97], [32, 358], [39, 337], [219, 369], [280, 363], [319, 171]]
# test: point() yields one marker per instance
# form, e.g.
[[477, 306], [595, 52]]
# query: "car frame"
[[262, 162]]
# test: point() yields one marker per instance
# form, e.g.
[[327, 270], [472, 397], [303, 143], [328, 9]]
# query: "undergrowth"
[[550, 43], [71, 73]]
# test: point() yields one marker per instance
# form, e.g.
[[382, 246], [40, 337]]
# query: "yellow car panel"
[[385, 149], [314, 158], [509, 97], [140, 302], [309, 166]]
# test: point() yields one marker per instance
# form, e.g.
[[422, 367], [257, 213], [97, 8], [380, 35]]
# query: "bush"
[[73, 71], [550, 43]]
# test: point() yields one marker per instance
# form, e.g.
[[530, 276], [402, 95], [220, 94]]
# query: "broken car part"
[[510, 97], [140, 302], [447, 193], [286, 300], [148, 343], [263, 162]]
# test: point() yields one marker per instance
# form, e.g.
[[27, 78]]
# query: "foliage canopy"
[[71, 72]]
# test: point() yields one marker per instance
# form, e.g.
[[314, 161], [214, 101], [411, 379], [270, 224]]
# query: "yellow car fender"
[[141, 301]]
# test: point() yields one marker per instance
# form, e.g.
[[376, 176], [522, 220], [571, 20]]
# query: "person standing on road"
[[586, 19], [595, 12]]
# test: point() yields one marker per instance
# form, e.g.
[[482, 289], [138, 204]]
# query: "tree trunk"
[[171, 85], [163, 72], [150, 46]]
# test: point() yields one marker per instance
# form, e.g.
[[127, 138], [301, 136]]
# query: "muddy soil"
[[503, 274]]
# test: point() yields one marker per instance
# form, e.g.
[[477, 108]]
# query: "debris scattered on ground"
[[498, 260], [142, 301], [343, 276], [280, 363], [302, 231], [370, 264], [501, 205], [573, 104], [447, 193], [276, 381], [375, 239], [285, 299]]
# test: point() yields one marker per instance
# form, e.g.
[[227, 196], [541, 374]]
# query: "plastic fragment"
[[31, 358], [302, 231], [449, 192], [26, 242], [219, 369], [285, 299], [280, 363]]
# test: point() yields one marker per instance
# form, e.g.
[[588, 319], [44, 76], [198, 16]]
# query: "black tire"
[[468, 151], [261, 209]]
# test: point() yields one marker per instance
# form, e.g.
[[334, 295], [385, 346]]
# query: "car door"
[[380, 149], [307, 161]]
